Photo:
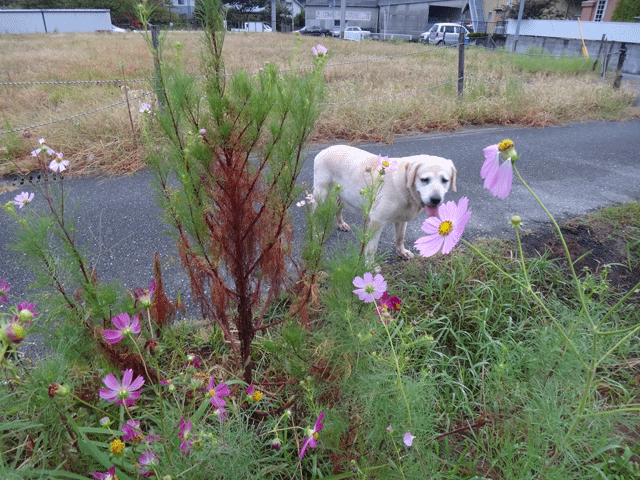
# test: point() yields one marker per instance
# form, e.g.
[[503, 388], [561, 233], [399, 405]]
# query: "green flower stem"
[[583, 300], [522, 262], [92, 407], [629, 335], [617, 305], [399, 464], [533, 294], [627, 409], [397, 364]]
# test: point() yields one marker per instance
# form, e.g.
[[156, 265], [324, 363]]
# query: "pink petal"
[[112, 336], [430, 225], [137, 384], [429, 245], [304, 447], [126, 378], [491, 161], [448, 211], [503, 181], [108, 395], [222, 390], [135, 324], [121, 320], [111, 382], [358, 282]]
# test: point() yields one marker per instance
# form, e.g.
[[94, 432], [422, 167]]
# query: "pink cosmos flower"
[[132, 431], [42, 148], [143, 296], [23, 199], [408, 439], [221, 413], [319, 51], [445, 230], [311, 439], [498, 178], [386, 164], [146, 460], [185, 435], [369, 288], [125, 393], [386, 303], [108, 475], [58, 164], [126, 327], [4, 289], [145, 108], [216, 393], [192, 361], [26, 313]]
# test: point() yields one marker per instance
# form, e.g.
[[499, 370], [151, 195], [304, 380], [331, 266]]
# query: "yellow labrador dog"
[[420, 181]]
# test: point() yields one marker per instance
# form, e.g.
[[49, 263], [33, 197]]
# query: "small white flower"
[[301, 203], [58, 164], [23, 199]]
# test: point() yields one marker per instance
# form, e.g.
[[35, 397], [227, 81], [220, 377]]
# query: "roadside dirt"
[[595, 248]]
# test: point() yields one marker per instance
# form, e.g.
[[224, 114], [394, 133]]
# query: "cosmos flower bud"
[[25, 315], [57, 390], [508, 150], [516, 220], [13, 333], [276, 444]]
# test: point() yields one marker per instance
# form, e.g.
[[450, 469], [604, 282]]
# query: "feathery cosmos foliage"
[[237, 148]]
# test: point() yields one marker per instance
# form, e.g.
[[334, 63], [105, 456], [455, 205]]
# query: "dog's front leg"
[[401, 228]]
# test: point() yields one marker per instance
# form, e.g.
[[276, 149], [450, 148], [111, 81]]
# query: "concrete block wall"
[[573, 47]]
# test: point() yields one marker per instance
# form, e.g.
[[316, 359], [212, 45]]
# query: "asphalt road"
[[574, 169]]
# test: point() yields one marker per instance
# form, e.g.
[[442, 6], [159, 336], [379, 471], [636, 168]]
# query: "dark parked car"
[[316, 30]]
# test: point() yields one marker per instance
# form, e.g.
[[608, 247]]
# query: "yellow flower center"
[[445, 228], [505, 144], [315, 435], [385, 164], [212, 393], [257, 396], [116, 447], [18, 331], [58, 159]]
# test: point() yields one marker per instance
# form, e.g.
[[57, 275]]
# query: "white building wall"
[[50, 21]]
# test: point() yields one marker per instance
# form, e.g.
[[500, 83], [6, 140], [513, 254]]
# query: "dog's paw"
[[345, 227], [405, 254]]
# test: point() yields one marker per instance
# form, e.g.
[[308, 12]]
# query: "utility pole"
[[273, 15], [343, 9], [515, 38]]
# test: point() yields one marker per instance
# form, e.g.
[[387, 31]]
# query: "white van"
[[443, 33]]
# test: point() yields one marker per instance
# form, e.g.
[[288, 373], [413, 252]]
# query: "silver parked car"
[[443, 33]]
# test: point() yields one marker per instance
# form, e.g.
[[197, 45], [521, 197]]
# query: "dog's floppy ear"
[[411, 168], [454, 174]]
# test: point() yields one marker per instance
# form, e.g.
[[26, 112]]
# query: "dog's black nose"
[[435, 201]]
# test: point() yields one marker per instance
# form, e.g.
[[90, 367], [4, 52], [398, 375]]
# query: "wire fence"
[[466, 79]]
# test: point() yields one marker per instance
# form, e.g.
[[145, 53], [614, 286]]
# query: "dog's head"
[[429, 178]]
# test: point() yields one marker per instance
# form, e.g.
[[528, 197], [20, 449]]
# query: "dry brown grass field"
[[375, 90]]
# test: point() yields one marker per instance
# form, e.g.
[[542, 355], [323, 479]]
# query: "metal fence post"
[[621, 57], [460, 62]]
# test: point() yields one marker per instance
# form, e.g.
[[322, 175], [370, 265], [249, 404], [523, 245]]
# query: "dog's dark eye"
[[445, 181], [425, 180]]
